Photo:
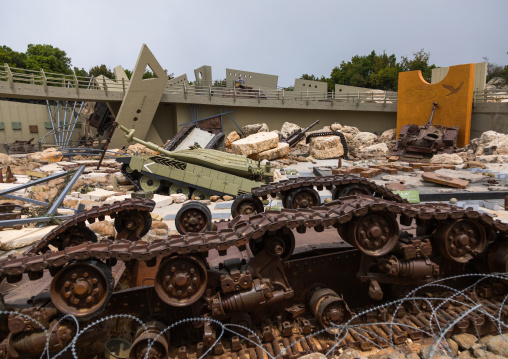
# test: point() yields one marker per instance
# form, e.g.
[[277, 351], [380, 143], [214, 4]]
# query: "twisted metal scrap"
[[435, 303]]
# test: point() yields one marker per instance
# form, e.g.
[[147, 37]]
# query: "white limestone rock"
[[376, 150], [232, 137], [282, 150], [288, 128], [447, 159], [254, 128], [50, 155], [388, 136], [255, 143], [326, 147]]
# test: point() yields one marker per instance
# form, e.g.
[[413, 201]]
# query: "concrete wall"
[[275, 118], [252, 79], [311, 86], [203, 75], [178, 82], [489, 116], [342, 89], [29, 114], [480, 75]]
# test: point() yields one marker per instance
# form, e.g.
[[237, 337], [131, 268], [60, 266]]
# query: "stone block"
[[113, 199], [99, 195], [326, 147], [282, 150], [255, 143], [13, 239], [232, 137]]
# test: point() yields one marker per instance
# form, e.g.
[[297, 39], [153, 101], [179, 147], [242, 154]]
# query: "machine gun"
[[298, 135]]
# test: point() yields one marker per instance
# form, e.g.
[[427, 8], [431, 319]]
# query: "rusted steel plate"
[[445, 180]]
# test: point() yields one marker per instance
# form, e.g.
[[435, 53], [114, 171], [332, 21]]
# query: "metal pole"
[[32, 183], [51, 118], [58, 123], [66, 190], [77, 116]]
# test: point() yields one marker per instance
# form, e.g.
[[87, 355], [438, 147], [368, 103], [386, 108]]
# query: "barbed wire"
[[437, 330]]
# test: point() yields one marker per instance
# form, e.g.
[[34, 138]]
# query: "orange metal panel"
[[454, 95]]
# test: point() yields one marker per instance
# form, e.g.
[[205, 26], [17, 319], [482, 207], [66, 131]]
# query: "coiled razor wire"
[[436, 329]]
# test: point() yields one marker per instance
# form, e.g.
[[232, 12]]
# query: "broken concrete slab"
[[13, 239], [98, 194], [202, 138]]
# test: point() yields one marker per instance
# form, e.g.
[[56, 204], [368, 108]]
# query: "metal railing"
[[16, 75], [482, 96]]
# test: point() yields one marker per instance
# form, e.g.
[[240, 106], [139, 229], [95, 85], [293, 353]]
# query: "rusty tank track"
[[180, 136], [448, 235], [133, 180], [328, 182], [239, 231], [79, 221]]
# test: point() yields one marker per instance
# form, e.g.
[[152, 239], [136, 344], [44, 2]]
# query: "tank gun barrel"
[[432, 114], [130, 138]]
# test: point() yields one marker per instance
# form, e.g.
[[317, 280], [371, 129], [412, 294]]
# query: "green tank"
[[197, 172]]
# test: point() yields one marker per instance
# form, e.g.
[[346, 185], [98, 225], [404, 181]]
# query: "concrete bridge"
[[370, 111]]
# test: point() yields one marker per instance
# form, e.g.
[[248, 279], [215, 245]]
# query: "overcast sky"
[[279, 37]]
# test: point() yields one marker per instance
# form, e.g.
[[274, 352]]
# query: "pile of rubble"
[[260, 143]]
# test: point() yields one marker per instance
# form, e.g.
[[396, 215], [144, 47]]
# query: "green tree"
[[419, 62], [101, 70], [495, 70], [48, 58], [80, 72], [148, 74], [12, 58]]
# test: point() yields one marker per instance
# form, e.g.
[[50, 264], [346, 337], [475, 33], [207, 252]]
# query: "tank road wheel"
[[351, 190], [82, 288], [281, 243], [304, 197], [193, 217], [180, 280], [329, 308], [74, 236], [460, 239], [198, 195], [150, 184], [375, 233], [132, 225], [246, 204], [174, 189], [126, 169]]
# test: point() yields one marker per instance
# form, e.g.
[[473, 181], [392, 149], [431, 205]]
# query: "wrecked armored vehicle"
[[197, 172], [420, 143]]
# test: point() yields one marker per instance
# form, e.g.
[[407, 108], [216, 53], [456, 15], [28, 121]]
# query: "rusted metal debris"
[[20, 147], [445, 180], [101, 118], [269, 292], [298, 135], [420, 143]]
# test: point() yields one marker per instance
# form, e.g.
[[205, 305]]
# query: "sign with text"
[[411, 196]]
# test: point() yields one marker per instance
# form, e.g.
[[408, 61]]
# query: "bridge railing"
[[16, 75], [272, 94], [482, 96]]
